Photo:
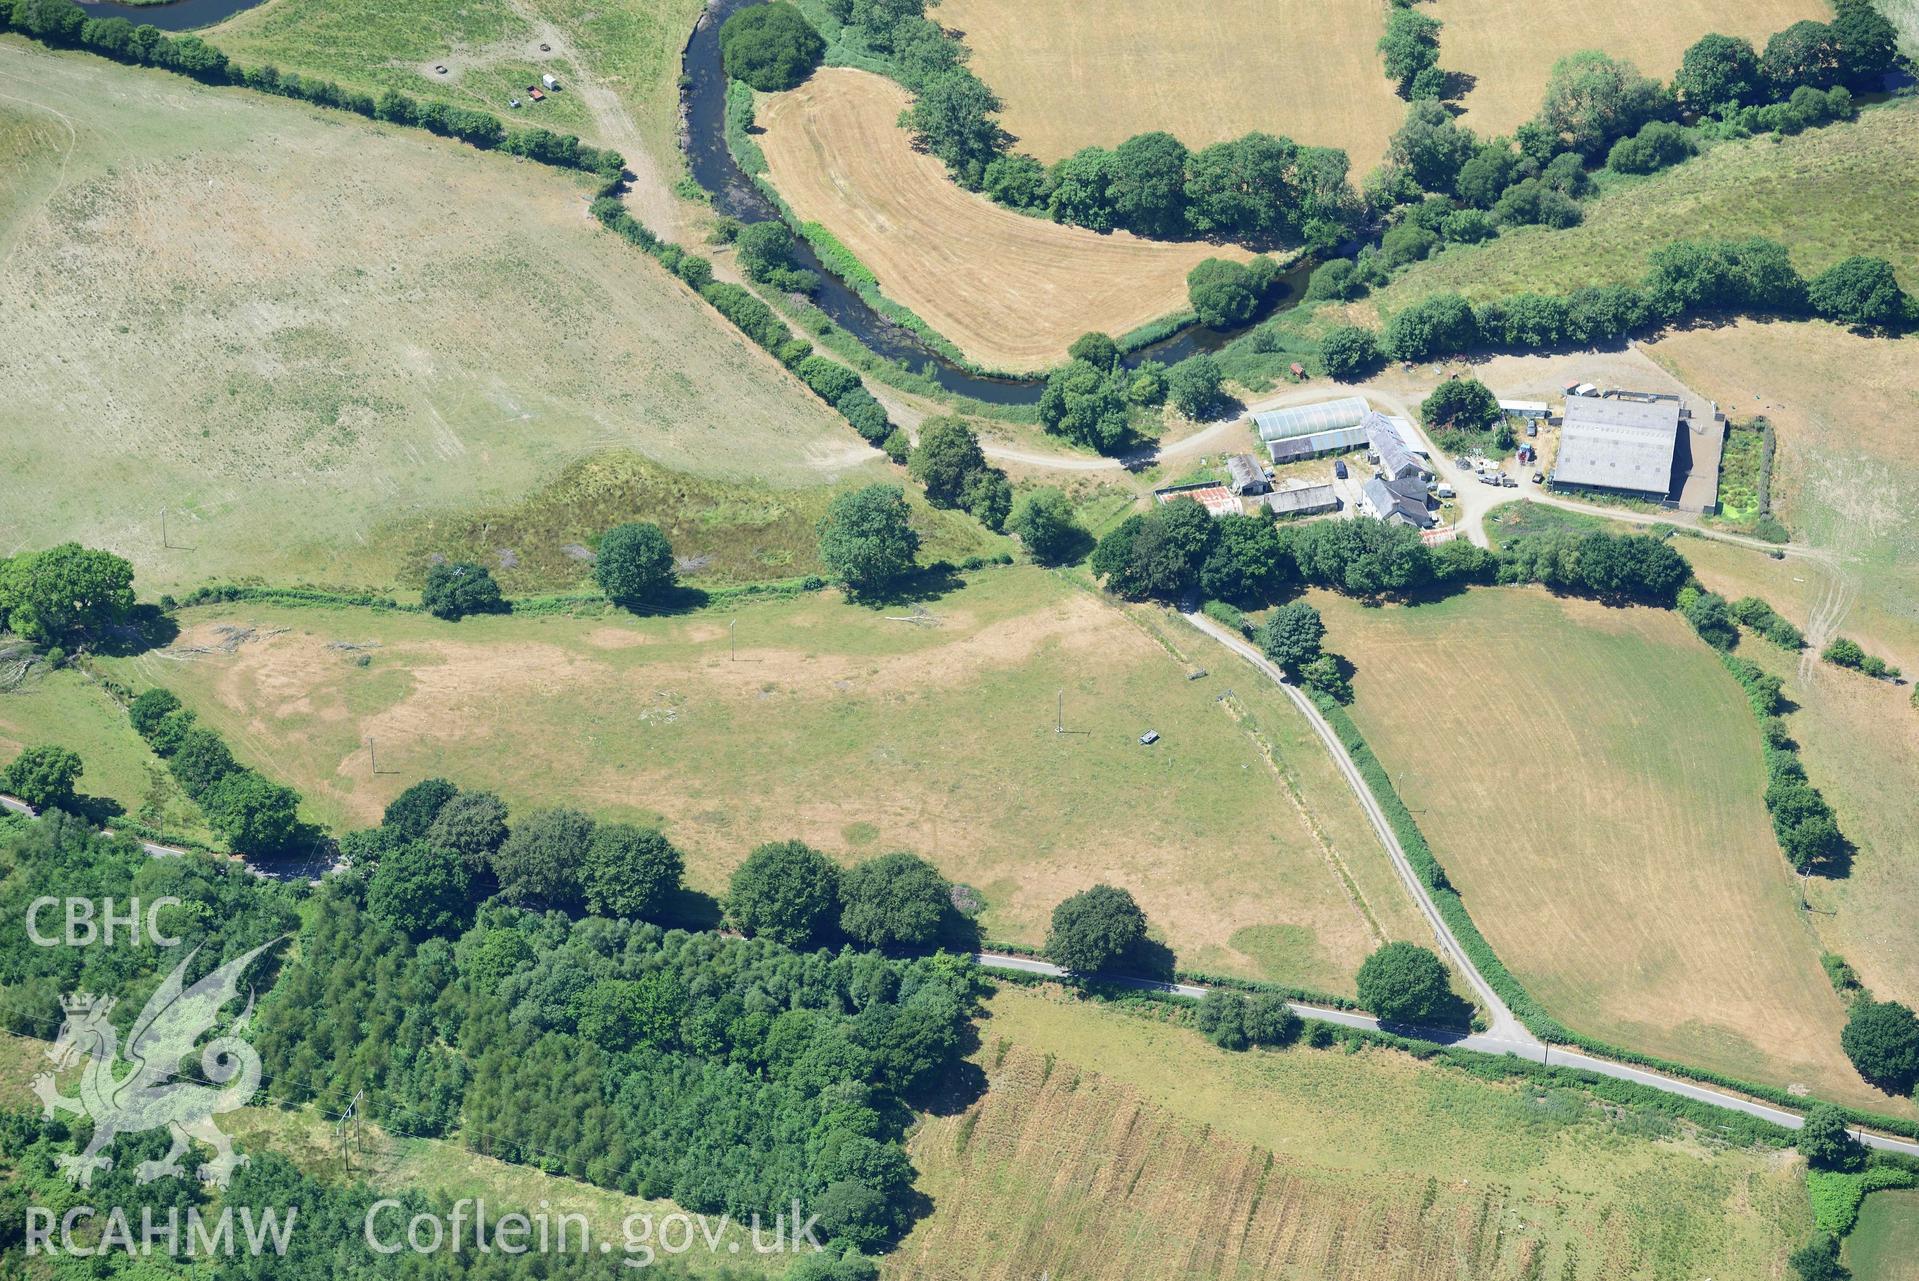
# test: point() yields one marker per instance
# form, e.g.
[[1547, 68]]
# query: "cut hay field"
[[1845, 189], [298, 332], [1110, 1145], [1509, 46], [618, 63], [858, 733], [1590, 778], [1074, 75], [1010, 291]]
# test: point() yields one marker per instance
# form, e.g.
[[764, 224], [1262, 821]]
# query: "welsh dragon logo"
[[153, 1095]]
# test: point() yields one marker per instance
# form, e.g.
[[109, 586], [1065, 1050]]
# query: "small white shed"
[[550, 80]]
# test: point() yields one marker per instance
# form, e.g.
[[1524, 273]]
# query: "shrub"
[[1045, 523], [1654, 147], [458, 588], [1439, 325], [1859, 291], [828, 379]]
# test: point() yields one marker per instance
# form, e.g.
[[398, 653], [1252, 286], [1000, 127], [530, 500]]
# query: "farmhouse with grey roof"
[[1395, 459], [1401, 502]]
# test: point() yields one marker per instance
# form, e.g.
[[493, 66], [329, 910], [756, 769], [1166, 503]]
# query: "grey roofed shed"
[[1618, 444], [1394, 458], [1325, 442], [1244, 475], [1302, 500], [1307, 420]]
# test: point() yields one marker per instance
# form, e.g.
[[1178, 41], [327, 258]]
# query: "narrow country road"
[[1506, 1034], [1504, 1026], [1480, 1042]]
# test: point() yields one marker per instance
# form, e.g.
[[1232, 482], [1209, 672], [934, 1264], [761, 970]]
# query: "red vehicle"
[[533, 92]]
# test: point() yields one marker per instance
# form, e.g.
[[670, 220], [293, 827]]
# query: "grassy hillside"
[[1590, 778], [856, 732], [1109, 1145], [294, 330], [1845, 189]]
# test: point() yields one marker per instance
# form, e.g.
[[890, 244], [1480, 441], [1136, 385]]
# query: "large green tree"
[[867, 541], [1087, 405], [1718, 72], [1825, 1141], [421, 889], [947, 455], [634, 564], [1593, 98], [539, 863], [256, 815], [1094, 929], [893, 899], [43, 775], [1432, 146], [1859, 290], [1405, 983], [1045, 523], [1410, 45], [1882, 1040], [1291, 635], [630, 871], [455, 589], [786, 891], [1461, 403], [770, 46], [66, 595], [1148, 185]]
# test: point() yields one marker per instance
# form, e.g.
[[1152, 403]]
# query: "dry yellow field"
[[855, 732], [1590, 777], [1074, 74], [1112, 1146], [1011, 291], [1510, 46]]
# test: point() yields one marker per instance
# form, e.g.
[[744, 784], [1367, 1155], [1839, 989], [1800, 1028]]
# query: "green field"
[[1115, 1146], [618, 63], [857, 731], [301, 335], [1826, 193], [1885, 1245], [1590, 778], [66, 708]]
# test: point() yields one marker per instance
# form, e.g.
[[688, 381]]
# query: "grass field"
[[1826, 193], [1590, 778], [1075, 75], [618, 63], [857, 733], [298, 332], [1112, 1146], [1011, 291], [1509, 46], [1885, 1245], [66, 708]]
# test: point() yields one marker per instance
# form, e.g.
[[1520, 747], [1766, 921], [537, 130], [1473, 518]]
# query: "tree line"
[[1752, 275], [65, 24]]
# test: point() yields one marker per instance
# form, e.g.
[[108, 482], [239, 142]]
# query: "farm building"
[[1302, 500], [1623, 443], [1525, 409], [1388, 445], [1310, 420], [1293, 448], [1244, 475], [1401, 501]]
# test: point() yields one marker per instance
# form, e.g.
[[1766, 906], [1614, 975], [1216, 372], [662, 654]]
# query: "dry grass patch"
[[1590, 778], [1075, 75], [1510, 46], [857, 733], [1011, 291], [1116, 1146], [290, 328]]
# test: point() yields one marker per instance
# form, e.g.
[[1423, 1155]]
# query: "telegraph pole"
[[346, 1159], [732, 648], [1059, 713], [373, 755]]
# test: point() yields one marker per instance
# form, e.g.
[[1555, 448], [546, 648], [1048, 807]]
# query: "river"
[[734, 193]]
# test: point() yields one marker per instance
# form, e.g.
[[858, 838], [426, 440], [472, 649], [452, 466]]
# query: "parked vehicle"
[[1446, 491], [1539, 478], [1532, 429], [1509, 482], [1488, 478], [1339, 468]]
